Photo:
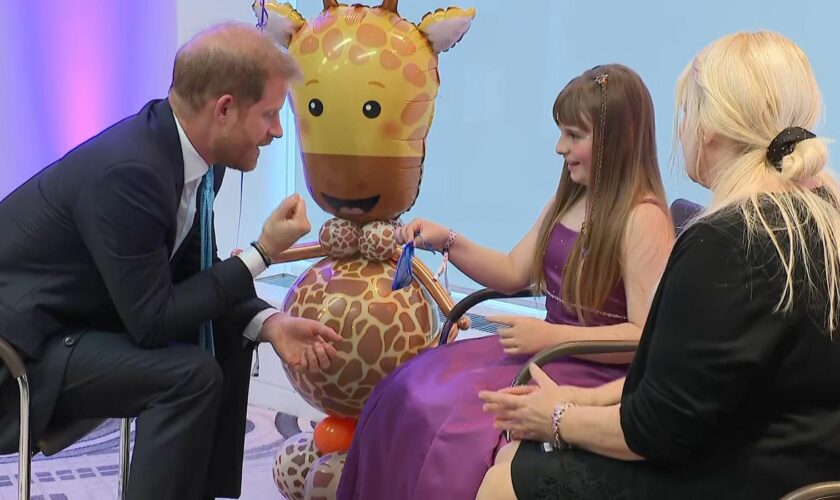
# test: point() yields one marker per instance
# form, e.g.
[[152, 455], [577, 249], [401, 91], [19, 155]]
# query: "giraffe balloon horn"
[[390, 5]]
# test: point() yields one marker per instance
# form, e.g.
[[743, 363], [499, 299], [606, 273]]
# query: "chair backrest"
[[682, 211]]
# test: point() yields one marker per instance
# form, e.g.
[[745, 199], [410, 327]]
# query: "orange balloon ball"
[[334, 434]]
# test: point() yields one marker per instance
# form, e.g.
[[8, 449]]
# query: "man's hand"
[[286, 225], [303, 344]]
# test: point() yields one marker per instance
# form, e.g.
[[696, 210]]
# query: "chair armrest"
[[816, 491], [575, 348], [471, 301], [12, 359]]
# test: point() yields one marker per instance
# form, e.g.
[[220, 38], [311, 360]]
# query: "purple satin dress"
[[422, 434]]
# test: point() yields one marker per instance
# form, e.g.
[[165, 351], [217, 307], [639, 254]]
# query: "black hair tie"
[[784, 144]]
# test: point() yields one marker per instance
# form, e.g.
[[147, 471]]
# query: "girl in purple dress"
[[596, 252]]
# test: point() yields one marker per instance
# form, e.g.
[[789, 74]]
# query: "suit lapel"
[[162, 122]]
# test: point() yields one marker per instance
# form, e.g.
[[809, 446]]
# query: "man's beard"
[[234, 150]]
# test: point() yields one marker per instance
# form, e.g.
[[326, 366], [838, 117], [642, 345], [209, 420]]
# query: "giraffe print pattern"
[[293, 462], [340, 238], [381, 328], [322, 480], [378, 241], [343, 238]]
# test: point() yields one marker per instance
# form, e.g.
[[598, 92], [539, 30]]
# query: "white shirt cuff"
[[255, 325], [253, 261]]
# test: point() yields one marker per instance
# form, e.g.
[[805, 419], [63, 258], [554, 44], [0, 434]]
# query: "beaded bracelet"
[[556, 418], [442, 270]]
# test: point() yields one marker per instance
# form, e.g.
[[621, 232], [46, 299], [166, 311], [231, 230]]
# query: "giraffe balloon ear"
[[445, 27], [281, 20]]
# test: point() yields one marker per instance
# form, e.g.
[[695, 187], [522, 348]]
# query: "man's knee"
[[202, 374]]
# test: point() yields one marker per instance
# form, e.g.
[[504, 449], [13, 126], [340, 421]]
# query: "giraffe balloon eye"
[[316, 107], [371, 109]]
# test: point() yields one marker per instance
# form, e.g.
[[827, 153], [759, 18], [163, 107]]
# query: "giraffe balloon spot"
[[389, 60], [414, 75], [309, 45], [371, 36], [418, 146], [402, 46], [388, 364], [390, 129], [432, 64], [333, 44], [369, 347], [416, 109], [418, 133]]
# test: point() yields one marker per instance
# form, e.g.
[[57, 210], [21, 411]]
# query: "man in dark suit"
[[104, 292]]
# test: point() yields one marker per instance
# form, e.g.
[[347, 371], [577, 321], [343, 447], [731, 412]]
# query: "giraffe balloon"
[[363, 108]]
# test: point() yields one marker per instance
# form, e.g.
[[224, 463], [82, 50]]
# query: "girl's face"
[[576, 147]]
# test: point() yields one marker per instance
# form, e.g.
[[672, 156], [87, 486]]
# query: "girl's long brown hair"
[[628, 171]]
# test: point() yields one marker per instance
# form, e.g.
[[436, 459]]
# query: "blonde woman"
[[735, 389]]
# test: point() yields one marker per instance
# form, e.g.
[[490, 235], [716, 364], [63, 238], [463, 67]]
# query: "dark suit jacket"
[[86, 244]]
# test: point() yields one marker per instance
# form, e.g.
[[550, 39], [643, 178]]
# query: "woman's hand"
[[526, 411]]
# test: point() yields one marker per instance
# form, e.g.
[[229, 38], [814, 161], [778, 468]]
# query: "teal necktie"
[[205, 338]]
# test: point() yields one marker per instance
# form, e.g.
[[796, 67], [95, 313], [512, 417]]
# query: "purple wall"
[[70, 69]]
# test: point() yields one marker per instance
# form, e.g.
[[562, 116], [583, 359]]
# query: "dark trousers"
[[190, 409]]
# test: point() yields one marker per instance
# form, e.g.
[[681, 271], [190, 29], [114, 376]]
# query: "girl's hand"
[[425, 234], [524, 335]]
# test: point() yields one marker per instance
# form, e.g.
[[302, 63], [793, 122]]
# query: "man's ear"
[[223, 108]]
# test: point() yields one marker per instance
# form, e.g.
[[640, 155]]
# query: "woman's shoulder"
[[720, 236], [725, 225]]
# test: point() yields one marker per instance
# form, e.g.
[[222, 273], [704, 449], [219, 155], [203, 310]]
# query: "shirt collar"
[[194, 165]]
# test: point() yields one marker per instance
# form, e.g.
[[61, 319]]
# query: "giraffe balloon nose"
[[363, 188]]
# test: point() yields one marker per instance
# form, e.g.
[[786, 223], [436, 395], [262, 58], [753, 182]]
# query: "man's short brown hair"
[[230, 58]]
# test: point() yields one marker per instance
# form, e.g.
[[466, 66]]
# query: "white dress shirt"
[[194, 169]]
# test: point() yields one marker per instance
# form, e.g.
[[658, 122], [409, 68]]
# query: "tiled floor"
[[89, 469]]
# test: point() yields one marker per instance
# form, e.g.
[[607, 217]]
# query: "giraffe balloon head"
[[366, 100]]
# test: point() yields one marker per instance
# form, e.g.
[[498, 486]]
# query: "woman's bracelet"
[[556, 418]]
